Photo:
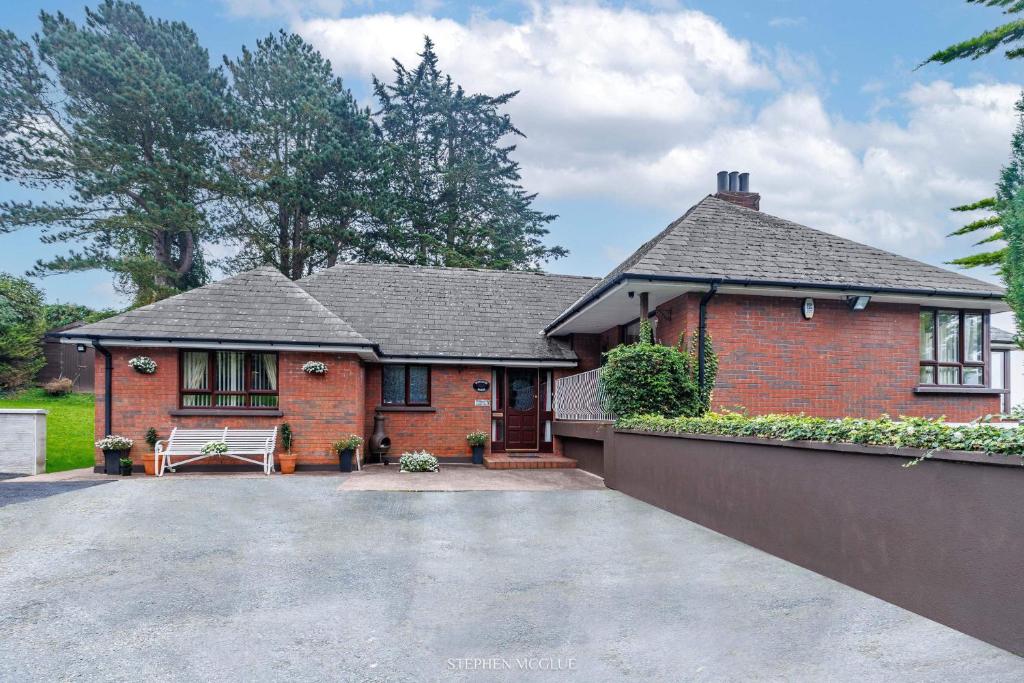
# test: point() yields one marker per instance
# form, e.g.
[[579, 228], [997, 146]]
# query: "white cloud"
[[786, 22], [646, 107], [286, 8]]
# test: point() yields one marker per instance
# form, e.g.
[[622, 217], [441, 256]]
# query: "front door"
[[521, 410]]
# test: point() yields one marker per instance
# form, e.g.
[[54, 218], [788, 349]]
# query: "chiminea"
[[380, 444]]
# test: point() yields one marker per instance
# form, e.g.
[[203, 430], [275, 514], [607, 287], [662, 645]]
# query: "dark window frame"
[[406, 401], [211, 382], [936, 364]]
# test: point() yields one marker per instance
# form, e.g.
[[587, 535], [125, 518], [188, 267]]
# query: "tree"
[[304, 155], [120, 114], [991, 222], [21, 328], [1009, 34], [452, 188], [59, 315]]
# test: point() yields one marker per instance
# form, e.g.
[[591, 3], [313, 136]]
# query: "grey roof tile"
[[260, 305], [450, 312]]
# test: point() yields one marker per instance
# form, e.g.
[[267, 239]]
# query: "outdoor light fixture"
[[80, 348], [857, 303]]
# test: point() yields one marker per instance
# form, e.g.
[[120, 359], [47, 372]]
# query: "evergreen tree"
[[22, 324], [119, 115], [1009, 34], [452, 190], [303, 161]]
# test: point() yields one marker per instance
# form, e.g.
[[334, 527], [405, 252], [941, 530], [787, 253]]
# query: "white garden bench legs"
[[248, 445]]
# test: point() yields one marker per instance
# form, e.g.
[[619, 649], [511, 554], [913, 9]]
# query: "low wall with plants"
[[941, 539]]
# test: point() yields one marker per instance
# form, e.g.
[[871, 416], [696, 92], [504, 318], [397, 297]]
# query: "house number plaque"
[[481, 385]]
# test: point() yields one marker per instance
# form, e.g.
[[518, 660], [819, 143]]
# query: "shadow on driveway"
[[21, 492]]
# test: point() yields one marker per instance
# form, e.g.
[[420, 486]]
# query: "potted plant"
[[286, 459], [477, 441], [114, 448], [345, 450], [125, 466], [418, 461], [144, 365], [149, 463], [315, 367]]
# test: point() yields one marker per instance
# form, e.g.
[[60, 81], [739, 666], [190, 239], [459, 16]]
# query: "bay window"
[[228, 379], [952, 344]]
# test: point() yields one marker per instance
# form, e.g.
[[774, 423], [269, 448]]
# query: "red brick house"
[[802, 321]]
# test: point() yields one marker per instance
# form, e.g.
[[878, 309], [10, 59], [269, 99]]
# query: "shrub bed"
[[908, 432]]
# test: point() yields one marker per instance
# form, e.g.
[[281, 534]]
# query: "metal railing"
[[581, 397]]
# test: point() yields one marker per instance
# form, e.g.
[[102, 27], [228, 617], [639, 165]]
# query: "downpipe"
[[702, 332], [108, 387]]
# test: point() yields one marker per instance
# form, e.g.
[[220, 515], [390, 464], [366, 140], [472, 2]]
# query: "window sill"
[[934, 389], [227, 412], [406, 409]]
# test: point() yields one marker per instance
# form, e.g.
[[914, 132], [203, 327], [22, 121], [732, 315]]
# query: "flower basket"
[[114, 448], [143, 365], [315, 367], [345, 449], [477, 441]]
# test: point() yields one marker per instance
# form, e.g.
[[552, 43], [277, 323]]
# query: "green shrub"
[[648, 378], [418, 461], [908, 432], [349, 443], [22, 324], [152, 437]]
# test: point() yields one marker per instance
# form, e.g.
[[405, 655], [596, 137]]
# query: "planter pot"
[[112, 461], [287, 463], [478, 455], [125, 470], [149, 465], [345, 460]]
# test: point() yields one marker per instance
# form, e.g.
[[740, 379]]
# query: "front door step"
[[539, 461]]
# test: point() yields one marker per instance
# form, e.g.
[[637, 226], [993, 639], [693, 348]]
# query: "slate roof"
[[450, 312], [260, 305], [718, 240], [1000, 336]]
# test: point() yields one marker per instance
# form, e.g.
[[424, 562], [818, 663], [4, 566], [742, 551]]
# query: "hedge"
[[907, 432]]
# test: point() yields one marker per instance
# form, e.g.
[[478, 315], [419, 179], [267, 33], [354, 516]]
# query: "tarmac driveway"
[[289, 578]]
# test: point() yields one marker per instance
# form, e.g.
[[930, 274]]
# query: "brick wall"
[[320, 409], [452, 415], [840, 363]]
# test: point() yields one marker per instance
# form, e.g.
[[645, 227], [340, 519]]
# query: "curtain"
[[264, 372], [194, 370]]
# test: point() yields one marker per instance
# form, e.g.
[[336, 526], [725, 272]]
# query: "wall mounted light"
[[857, 303], [80, 348], [808, 308]]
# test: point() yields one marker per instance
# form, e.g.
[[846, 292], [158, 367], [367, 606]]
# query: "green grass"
[[69, 426]]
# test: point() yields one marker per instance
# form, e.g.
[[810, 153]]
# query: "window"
[[228, 379], [406, 385], [953, 347]]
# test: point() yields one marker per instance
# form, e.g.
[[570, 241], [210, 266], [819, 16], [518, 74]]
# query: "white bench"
[[248, 445]]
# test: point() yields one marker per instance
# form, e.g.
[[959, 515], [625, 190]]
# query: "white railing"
[[581, 397]]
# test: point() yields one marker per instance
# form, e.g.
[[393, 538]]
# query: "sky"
[[629, 109]]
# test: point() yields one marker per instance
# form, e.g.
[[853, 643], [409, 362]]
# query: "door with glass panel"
[[521, 409]]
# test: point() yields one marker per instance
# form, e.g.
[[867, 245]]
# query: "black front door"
[[521, 409]]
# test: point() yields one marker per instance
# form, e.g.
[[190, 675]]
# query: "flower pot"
[[287, 463], [149, 464], [478, 455], [112, 461], [345, 460], [125, 470]]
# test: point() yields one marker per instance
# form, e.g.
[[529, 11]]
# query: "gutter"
[[782, 284], [702, 333], [108, 387]]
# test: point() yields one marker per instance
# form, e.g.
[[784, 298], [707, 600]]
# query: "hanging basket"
[[143, 365], [315, 367]]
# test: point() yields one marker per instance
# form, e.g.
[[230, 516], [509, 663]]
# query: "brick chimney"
[[735, 187]]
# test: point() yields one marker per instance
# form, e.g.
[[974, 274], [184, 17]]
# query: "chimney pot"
[[744, 182], [723, 181], [734, 187], [734, 184]]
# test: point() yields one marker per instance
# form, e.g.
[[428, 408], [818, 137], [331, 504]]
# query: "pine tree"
[[452, 189], [22, 324], [1009, 34], [304, 158], [119, 115]]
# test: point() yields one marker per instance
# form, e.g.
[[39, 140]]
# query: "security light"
[[80, 348], [857, 303]]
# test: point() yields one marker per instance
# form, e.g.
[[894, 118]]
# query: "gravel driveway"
[[288, 578]]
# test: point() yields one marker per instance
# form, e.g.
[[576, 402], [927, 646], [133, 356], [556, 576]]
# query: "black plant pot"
[[478, 455], [345, 460], [112, 461], [125, 470]]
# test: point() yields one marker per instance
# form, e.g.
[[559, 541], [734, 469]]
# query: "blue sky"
[[630, 108]]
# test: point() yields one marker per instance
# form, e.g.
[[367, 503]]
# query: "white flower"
[[958, 435], [143, 364], [315, 367], [910, 430]]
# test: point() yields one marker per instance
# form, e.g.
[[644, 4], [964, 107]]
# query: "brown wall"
[[65, 360], [941, 539], [840, 363], [320, 409]]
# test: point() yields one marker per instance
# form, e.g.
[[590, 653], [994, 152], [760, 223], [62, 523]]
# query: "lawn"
[[69, 426]]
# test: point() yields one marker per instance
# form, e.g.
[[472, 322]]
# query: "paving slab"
[[469, 478], [290, 579]]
